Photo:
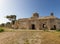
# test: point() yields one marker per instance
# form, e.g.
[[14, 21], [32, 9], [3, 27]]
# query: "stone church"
[[38, 23]]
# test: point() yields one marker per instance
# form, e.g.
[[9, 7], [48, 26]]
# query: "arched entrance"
[[33, 26], [54, 27]]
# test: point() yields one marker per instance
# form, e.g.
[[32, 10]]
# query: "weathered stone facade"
[[38, 23]]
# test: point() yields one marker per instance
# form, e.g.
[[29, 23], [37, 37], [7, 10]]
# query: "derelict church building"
[[38, 23]]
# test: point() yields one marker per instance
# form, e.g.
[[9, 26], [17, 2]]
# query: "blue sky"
[[25, 8]]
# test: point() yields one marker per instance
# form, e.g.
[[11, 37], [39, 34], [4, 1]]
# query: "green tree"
[[12, 18]]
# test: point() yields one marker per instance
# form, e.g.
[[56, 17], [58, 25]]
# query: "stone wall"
[[38, 23]]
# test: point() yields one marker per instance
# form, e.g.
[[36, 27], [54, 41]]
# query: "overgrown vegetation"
[[58, 30], [1, 30]]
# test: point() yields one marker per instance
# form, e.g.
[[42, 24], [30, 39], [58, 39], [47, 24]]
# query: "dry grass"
[[15, 37], [51, 38]]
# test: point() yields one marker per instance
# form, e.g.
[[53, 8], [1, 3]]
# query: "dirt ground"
[[30, 37]]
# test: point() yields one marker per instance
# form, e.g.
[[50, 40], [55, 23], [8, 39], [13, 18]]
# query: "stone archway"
[[33, 26], [54, 27]]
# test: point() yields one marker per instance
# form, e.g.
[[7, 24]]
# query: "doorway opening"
[[33, 26], [54, 27], [43, 25]]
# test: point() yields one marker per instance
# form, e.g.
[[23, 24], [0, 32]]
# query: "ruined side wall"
[[58, 23], [54, 22], [48, 23]]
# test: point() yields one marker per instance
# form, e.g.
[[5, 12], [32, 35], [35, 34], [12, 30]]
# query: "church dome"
[[52, 14], [35, 15]]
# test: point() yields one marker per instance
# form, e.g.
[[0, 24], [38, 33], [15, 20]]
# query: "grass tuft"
[[1, 30]]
